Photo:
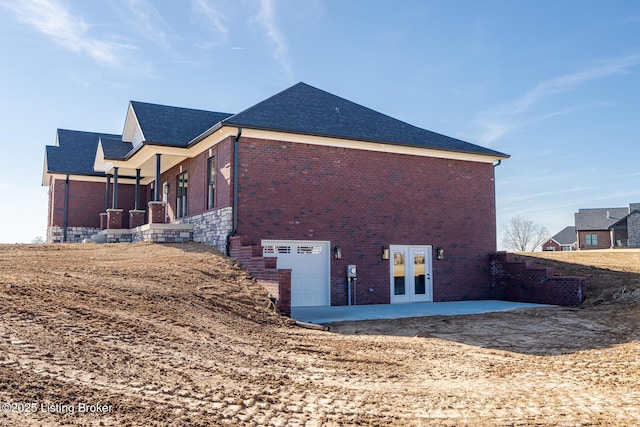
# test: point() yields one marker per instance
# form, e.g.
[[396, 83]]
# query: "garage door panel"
[[309, 264]]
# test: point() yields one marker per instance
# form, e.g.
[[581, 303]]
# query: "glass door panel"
[[419, 273], [410, 273], [399, 273]]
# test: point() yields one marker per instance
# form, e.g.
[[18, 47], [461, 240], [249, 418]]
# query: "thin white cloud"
[[149, 21], [214, 20], [568, 82], [67, 30], [509, 117], [266, 18]]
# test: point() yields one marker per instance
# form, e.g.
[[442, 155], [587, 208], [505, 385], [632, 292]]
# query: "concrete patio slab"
[[322, 315]]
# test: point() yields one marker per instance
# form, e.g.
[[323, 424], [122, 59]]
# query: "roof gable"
[[175, 126], [74, 152], [115, 149], [305, 109], [567, 236]]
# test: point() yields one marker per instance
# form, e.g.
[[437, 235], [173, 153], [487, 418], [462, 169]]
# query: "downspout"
[[66, 209], [235, 189], [495, 205]]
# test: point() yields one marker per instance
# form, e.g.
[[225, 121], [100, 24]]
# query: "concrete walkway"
[[321, 315]]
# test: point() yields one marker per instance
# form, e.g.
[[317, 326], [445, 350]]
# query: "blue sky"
[[555, 84]]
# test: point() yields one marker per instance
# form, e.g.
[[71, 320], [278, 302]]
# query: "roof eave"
[[495, 155]]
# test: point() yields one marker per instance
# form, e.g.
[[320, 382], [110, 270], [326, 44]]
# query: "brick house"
[[603, 228], [297, 187], [564, 240]]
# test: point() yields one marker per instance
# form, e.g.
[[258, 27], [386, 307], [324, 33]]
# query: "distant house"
[[608, 227], [303, 182], [626, 231], [565, 240]]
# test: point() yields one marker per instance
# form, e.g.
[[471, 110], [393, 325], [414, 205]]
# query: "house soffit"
[[369, 146]]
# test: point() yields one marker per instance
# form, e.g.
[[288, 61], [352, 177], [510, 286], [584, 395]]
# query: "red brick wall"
[[604, 240], [546, 246], [197, 190], [87, 201], [362, 200], [523, 282]]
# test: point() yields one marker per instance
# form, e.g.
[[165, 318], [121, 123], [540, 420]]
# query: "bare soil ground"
[[178, 335]]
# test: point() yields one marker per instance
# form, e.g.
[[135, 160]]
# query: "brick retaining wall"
[[513, 280], [276, 282]]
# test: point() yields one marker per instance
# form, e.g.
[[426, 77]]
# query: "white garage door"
[[309, 264]]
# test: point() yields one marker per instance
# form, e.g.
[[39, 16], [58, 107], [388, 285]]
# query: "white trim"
[[99, 163], [132, 128], [370, 146], [144, 157], [87, 178]]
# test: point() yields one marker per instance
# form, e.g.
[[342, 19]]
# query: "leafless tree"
[[524, 235]]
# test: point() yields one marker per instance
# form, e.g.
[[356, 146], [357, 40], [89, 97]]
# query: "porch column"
[[115, 188], [157, 192], [107, 198], [136, 203]]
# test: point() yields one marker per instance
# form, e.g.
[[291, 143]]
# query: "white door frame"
[[408, 260]]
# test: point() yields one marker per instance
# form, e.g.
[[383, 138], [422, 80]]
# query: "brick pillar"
[[157, 212], [136, 218], [103, 221], [114, 219]]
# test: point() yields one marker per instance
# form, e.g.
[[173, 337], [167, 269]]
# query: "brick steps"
[[513, 280], [264, 270]]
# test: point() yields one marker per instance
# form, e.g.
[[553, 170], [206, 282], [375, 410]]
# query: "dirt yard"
[[143, 335]]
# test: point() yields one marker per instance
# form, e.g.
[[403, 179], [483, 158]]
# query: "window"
[[277, 249], [211, 182], [310, 250], [591, 239], [181, 194]]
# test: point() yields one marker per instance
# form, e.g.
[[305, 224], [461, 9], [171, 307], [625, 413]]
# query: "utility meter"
[[351, 271]]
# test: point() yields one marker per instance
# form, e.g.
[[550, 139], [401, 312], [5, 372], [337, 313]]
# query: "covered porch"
[[148, 220]]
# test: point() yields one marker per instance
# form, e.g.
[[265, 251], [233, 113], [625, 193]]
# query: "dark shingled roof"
[[174, 126], [299, 109], [567, 236], [305, 109], [599, 219], [75, 152], [115, 149]]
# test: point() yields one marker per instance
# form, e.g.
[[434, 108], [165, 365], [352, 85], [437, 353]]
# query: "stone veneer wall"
[[211, 228], [74, 234], [633, 225], [156, 235]]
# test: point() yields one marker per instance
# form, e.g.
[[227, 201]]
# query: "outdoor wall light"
[[337, 252], [439, 252], [385, 252]]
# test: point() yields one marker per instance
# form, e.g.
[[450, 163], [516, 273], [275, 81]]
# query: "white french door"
[[410, 274]]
